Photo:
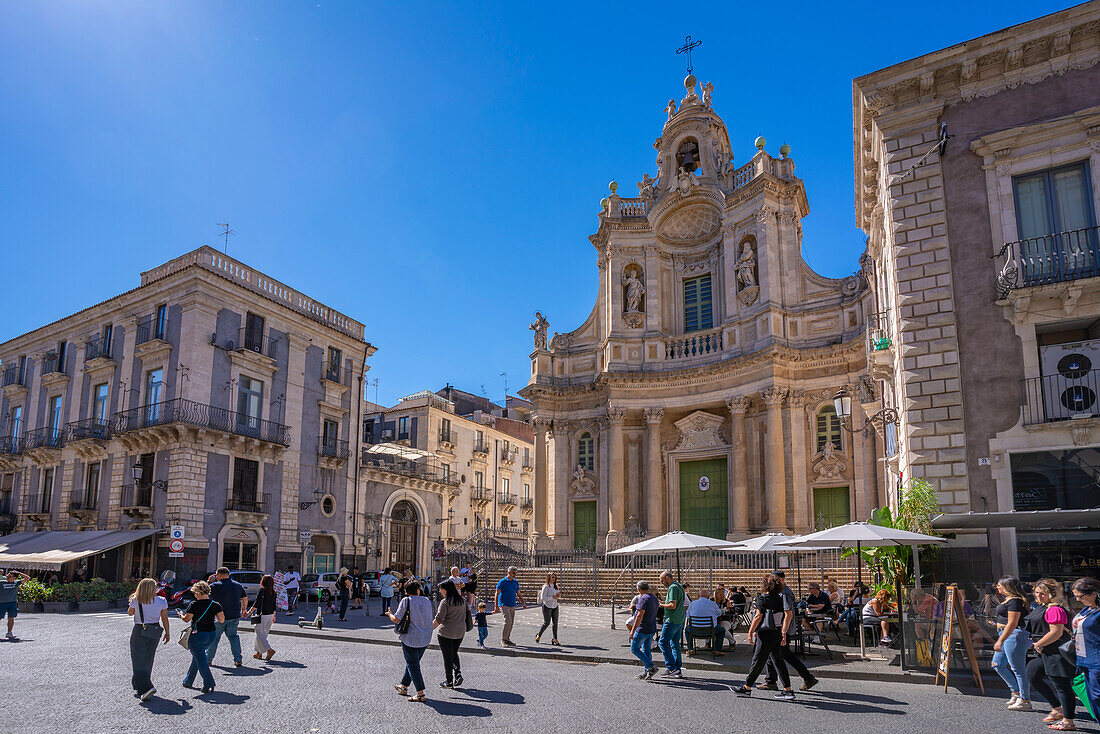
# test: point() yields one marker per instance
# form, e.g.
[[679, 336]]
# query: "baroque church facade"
[[698, 394]]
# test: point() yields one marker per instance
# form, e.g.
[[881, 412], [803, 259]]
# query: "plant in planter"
[[33, 592], [59, 598]]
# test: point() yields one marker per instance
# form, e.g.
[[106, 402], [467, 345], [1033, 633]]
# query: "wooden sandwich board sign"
[[953, 614]]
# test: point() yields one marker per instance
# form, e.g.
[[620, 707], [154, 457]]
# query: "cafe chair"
[[700, 629]]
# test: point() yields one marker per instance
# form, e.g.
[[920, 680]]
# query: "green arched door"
[[704, 500]]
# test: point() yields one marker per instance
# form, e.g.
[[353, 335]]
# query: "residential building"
[[986, 256], [698, 394], [438, 476], [211, 397]]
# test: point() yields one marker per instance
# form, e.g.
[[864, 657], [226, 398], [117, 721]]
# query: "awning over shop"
[[398, 450], [1019, 519], [49, 549]]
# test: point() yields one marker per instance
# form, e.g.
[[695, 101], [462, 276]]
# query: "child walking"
[[482, 620]]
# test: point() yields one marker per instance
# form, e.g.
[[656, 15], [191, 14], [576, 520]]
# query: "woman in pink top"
[[1051, 674]]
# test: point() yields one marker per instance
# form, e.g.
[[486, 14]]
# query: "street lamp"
[[842, 404], [137, 471]]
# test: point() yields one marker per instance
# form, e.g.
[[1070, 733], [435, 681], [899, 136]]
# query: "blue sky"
[[433, 170]]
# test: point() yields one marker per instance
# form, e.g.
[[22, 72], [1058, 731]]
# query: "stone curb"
[[892, 676]]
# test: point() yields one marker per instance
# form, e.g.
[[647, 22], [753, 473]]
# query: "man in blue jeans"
[[642, 628], [673, 627], [234, 601]]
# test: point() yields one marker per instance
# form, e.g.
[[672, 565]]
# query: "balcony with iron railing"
[[11, 445], [150, 328], [53, 363], [481, 446], [44, 438], [8, 517], [506, 498], [334, 373], [332, 448], [446, 436], [1051, 258], [87, 502], [1064, 396], [97, 348], [527, 503], [480, 494], [201, 415], [38, 503], [136, 498], [13, 375], [89, 429], [248, 501], [427, 469]]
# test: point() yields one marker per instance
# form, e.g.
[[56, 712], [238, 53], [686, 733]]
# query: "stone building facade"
[[985, 265], [210, 396], [698, 393], [462, 474]]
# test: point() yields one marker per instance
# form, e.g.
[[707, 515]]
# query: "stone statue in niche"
[[745, 267], [645, 187], [633, 296], [539, 327], [829, 464], [671, 109], [582, 484]]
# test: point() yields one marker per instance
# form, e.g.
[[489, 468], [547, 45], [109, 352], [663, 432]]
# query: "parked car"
[[372, 583], [321, 585], [250, 580]]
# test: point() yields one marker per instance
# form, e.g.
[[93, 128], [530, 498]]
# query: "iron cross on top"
[[686, 48]]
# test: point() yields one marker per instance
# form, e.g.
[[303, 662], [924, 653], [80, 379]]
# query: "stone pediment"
[[700, 430]]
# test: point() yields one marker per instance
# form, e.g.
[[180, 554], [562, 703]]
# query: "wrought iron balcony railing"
[[445, 437], [39, 504], [528, 503], [481, 447], [332, 448], [1051, 258], [44, 438], [333, 373], [248, 502], [507, 498], [150, 328], [137, 497], [201, 415], [13, 375], [480, 494], [85, 503], [879, 335], [1073, 394], [89, 428], [428, 469], [97, 347], [258, 343], [53, 363], [11, 445]]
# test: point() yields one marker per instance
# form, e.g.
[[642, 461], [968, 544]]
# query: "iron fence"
[[332, 448], [11, 445], [136, 496], [97, 347], [204, 416], [247, 502], [89, 428], [44, 438], [1050, 258], [13, 375], [87, 502]]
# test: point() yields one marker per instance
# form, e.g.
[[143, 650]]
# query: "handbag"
[[185, 635], [402, 626], [469, 620]]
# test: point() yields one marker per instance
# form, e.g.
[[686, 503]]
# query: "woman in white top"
[[548, 596], [415, 640], [150, 613]]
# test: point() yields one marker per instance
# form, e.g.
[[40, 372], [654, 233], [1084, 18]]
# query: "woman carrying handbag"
[[264, 608], [413, 618], [202, 614], [450, 620]]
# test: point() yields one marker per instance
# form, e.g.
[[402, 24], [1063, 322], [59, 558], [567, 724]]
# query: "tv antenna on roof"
[[225, 235], [505, 376]]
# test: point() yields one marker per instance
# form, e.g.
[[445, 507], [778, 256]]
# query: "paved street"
[[71, 673]]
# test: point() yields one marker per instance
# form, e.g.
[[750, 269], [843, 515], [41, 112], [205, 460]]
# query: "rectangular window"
[[254, 333], [526, 491], [402, 427], [160, 324], [108, 333], [47, 491], [368, 431], [1048, 480], [526, 456], [446, 472], [23, 370], [503, 522], [55, 415], [154, 394], [245, 475], [828, 429], [445, 430], [479, 481], [479, 441], [1055, 221], [16, 422], [507, 485], [100, 404], [7, 485], [62, 349], [506, 446], [330, 432], [91, 485], [697, 304], [526, 527], [335, 361], [250, 395]]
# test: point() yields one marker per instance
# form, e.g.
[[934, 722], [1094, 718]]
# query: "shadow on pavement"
[[456, 708], [244, 671], [167, 706], [695, 684], [286, 664], [492, 696], [223, 697], [864, 697], [815, 702]]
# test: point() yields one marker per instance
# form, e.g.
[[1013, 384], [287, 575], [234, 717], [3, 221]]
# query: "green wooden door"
[[831, 507], [584, 524], [704, 511]]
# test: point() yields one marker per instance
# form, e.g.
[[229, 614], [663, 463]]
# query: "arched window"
[[828, 428], [586, 455]]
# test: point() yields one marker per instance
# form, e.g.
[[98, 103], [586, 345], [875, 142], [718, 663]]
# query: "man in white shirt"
[[703, 612], [387, 582], [292, 581], [457, 578]]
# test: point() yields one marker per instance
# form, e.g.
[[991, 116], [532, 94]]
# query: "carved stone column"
[[800, 489], [557, 506], [617, 492], [655, 508], [776, 488], [740, 470], [541, 426]]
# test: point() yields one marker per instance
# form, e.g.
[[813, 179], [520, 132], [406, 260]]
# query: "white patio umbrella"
[[398, 450], [677, 540], [859, 535], [771, 543]]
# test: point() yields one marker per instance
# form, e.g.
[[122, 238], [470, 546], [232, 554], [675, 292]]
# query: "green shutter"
[[698, 309]]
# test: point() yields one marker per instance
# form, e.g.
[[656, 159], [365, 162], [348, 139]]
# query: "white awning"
[[398, 450], [1089, 518], [49, 549]]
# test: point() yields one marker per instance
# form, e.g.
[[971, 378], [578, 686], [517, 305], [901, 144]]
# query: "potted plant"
[[34, 593], [93, 596], [61, 598]]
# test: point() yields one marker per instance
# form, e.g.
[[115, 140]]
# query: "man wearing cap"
[[808, 680], [9, 604]]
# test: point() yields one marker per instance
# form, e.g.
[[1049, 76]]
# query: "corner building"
[[697, 395], [211, 396]]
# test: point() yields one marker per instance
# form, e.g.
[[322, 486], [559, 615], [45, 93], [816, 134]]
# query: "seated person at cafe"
[[739, 599], [706, 612], [818, 604]]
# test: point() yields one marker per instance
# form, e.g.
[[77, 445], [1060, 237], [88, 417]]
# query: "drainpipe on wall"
[[355, 457]]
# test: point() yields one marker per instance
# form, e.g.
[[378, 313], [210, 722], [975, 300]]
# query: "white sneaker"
[[10, 635], [815, 640], [1020, 705], [1013, 699], [884, 641]]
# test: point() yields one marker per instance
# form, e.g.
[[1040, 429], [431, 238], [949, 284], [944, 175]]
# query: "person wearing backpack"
[[769, 633]]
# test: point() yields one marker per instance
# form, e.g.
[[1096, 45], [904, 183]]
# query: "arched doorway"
[[403, 528]]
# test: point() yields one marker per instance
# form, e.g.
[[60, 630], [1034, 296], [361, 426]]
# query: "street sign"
[[174, 555], [393, 557], [177, 532], [310, 550], [304, 536], [175, 545]]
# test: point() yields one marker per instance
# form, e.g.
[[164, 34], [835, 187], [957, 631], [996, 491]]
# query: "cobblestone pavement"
[[70, 673]]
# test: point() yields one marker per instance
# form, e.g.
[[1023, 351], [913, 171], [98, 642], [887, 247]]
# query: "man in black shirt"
[[808, 680], [234, 601], [819, 604]]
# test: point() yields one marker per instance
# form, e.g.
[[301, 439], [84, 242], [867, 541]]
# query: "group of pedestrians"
[[217, 610], [1063, 648]]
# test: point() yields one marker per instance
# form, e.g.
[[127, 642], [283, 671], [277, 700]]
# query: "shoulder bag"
[[402, 626], [185, 635], [469, 619]]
